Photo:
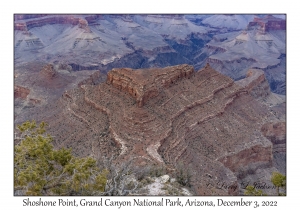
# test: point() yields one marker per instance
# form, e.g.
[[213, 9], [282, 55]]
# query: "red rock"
[[201, 119], [268, 23], [141, 85]]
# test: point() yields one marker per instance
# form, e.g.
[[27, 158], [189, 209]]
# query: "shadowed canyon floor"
[[222, 130]]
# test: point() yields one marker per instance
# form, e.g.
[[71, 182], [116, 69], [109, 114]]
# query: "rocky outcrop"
[[167, 116], [256, 83], [57, 19], [49, 72], [275, 132], [143, 86], [42, 20], [267, 23], [27, 22], [83, 23], [21, 92], [253, 154]]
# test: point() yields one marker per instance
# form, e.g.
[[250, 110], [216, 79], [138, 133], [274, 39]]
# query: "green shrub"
[[39, 169]]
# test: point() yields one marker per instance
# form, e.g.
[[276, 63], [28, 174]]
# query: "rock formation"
[[37, 84], [256, 83], [260, 46], [52, 19], [168, 116], [143, 86], [83, 23], [21, 92], [103, 42], [268, 23], [276, 133], [49, 72]]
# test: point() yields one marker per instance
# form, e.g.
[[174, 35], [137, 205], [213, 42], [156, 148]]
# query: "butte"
[[169, 116]]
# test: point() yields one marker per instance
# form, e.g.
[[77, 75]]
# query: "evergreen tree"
[[250, 190], [279, 181], [39, 169]]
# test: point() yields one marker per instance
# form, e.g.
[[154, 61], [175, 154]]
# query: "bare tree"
[[121, 178]]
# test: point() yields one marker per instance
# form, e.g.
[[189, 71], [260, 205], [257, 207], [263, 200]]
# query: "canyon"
[[203, 91], [231, 43], [223, 131]]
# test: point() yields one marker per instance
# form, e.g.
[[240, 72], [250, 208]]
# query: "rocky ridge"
[[202, 119], [143, 86], [37, 84]]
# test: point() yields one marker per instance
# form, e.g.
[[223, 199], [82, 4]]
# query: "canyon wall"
[[203, 120]]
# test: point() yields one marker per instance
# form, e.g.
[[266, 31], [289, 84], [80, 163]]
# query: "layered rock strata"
[[268, 23], [276, 133], [256, 83], [58, 19], [142, 84], [168, 116]]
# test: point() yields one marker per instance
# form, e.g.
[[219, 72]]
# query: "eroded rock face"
[[202, 119], [275, 132], [142, 84], [255, 83], [268, 23], [44, 20]]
